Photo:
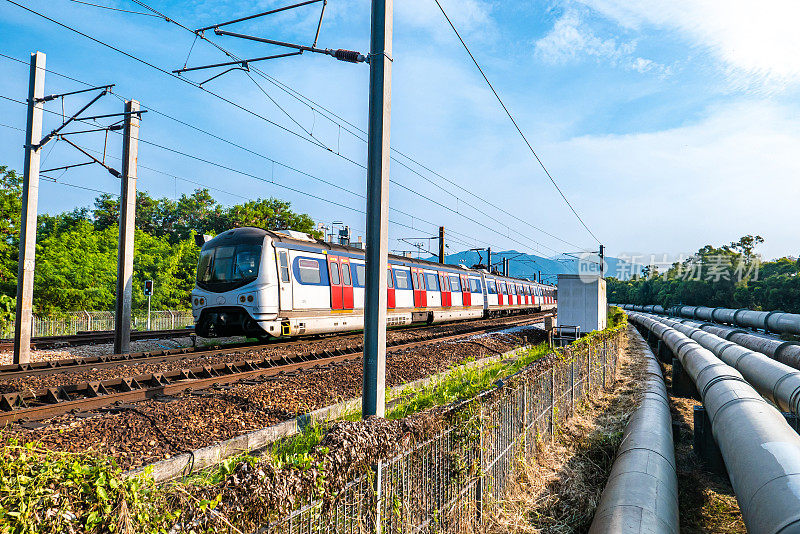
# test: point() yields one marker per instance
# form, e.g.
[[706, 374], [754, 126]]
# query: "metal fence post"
[[572, 385]]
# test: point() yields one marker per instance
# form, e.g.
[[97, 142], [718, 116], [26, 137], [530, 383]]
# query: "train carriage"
[[261, 283]]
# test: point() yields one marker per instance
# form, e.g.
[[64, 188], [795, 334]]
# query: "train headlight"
[[242, 298], [202, 301], [249, 298]]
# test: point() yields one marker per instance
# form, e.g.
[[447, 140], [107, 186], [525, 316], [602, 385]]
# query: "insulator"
[[350, 56]]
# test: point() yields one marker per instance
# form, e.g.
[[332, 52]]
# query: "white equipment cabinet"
[[582, 301]]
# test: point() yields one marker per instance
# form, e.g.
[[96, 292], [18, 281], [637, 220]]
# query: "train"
[[283, 283]]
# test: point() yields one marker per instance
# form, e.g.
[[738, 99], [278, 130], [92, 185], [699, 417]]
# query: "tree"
[[76, 254], [10, 217]]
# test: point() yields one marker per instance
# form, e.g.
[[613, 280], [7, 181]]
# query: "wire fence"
[[445, 484], [93, 321]]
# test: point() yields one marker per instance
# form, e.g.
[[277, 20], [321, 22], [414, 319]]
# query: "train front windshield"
[[228, 267]]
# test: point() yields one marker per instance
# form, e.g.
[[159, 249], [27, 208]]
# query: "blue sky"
[[668, 124]]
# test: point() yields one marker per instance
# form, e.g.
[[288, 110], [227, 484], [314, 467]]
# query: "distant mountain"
[[529, 265]]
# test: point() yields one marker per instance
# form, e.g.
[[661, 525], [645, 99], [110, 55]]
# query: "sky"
[[668, 125]]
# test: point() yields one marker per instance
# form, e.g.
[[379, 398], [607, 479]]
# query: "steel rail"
[[761, 451], [44, 403], [165, 355], [100, 336]]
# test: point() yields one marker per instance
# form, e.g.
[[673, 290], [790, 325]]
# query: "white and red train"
[[261, 283]]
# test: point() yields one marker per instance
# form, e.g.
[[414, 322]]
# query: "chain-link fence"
[[91, 321], [446, 483]]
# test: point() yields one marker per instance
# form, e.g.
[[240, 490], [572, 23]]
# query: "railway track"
[[48, 402], [89, 338]]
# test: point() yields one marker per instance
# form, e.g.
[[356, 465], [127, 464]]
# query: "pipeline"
[[774, 321], [761, 451], [642, 489], [777, 382], [786, 352]]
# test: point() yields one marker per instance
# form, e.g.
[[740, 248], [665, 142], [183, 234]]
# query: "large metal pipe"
[[642, 489], [774, 380], [787, 352], [775, 321], [761, 451]]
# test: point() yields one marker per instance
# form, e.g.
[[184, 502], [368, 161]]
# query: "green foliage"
[[52, 492], [10, 208], [76, 252], [730, 277], [463, 383]]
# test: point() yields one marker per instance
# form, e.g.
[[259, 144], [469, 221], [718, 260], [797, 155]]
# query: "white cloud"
[[571, 39], [757, 42], [732, 173], [471, 17]]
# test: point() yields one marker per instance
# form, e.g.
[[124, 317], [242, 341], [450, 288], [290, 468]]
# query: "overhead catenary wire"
[[313, 141], [199, 158], [113, 8], [256, 177], [314, 105], [513, 121], [310, 137]]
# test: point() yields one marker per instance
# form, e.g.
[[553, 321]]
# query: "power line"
[[113, 8], [314, 105], [313, 141], [220, 97], [513, 120], [297, 95], [250, 175], [312, 176]]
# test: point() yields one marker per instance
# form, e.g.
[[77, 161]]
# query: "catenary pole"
[[30, 208], [127, 223], [380, 91], [441, 244], [376, 255]]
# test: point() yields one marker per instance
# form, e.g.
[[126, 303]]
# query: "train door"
[[284, 281], [390, 302], [466, 292], [444, 284], [336, 282], [519, 294], [418, 282], [499, 292], [347, 284]]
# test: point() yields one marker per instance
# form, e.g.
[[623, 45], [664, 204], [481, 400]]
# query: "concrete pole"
[[127, 225], [30, 208], [441, 244], [375, 298]]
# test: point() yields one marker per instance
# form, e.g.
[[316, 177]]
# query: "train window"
[[415, 280], [445, 283], [346, 274], [359, 275], [491, 287], [475, 285], [402, 279], [432, 281], [389, 279], [334, 267], [308, 271], [455, 282], [503, 288]]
